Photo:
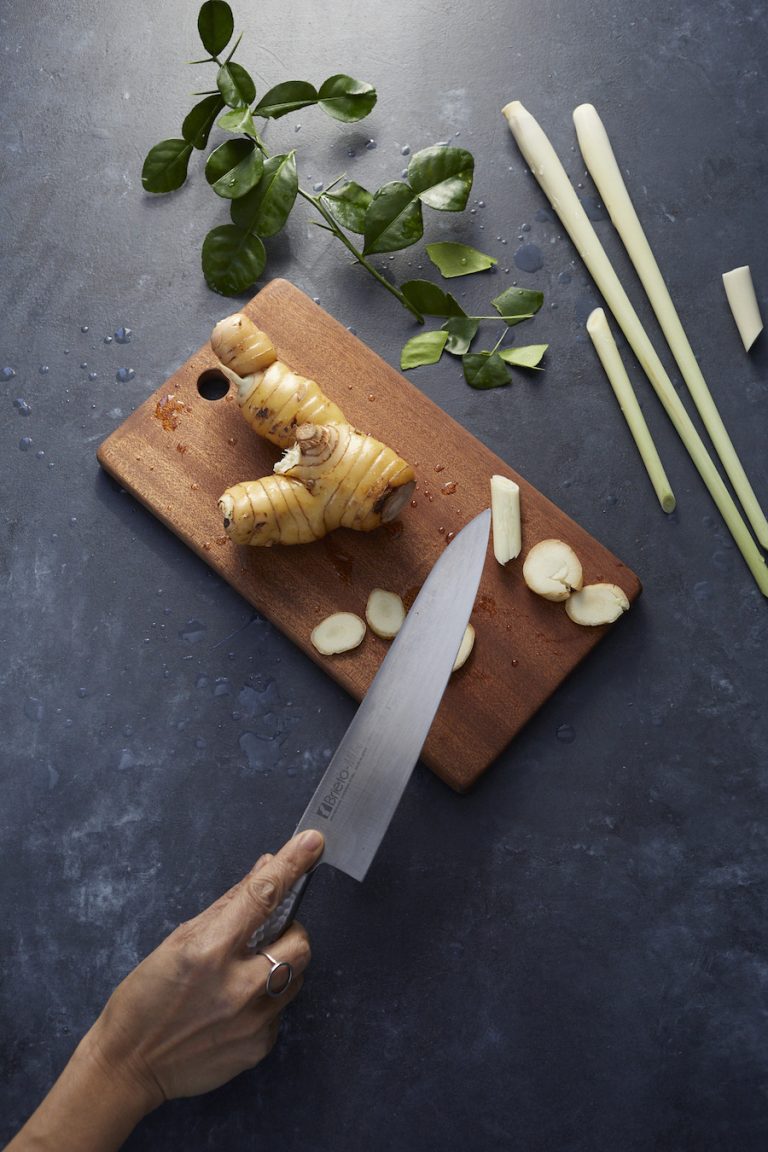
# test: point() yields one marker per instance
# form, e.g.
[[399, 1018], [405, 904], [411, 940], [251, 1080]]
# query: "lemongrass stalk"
[[746, 311], [601, 164], [610, 358], [551, 175]]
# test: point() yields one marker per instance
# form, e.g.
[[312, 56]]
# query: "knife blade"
[[357, 796]]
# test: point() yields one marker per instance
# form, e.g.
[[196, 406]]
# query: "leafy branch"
[[263, 188], [486, 369]]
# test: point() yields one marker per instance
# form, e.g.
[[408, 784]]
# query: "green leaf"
[[485, 370], [426, 348], [235, 85], [239, 120], [393, 219], [233, 260], [461, 331], [346, 99], [348, 205], [290, 96], [215, 24], [165, 167], [527, 357], [458, 259], [442, 177], [234, 168], [266, 208], [516, 304], [198, 123], [430, 300]]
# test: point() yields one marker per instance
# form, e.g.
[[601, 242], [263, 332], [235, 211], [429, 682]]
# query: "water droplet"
[[316, 299], [22, 407], [370, 145], [201, 681], [84, 365], [93, 376], [442, 144], [107, 339], [565, 734], [404, 173], [25, 443], [352, 330], [525, 227], [193, 631], [351, 152], [83, 327], [82, 693], [123, 335], [297, 127], [481, 203], [127, 759], [123, 375], [405, 150], [8, 373], [564, 278], [317, 186], [73, 521], [40, 454], [221, 686], [200, 742], [33, 709], [528, 258]]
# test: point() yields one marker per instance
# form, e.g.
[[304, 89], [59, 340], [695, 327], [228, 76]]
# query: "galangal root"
[[330, 476]]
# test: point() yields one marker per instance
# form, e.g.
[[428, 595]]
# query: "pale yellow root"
[[274, 399], [341, 479]]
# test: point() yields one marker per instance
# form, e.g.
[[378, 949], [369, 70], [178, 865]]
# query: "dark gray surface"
[[570, 958]]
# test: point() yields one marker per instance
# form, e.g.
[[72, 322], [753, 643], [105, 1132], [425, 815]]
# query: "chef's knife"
[[357, 796]]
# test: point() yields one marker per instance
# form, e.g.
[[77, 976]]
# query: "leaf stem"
[[334, 227]]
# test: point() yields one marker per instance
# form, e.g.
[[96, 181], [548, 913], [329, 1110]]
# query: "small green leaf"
[[426, 348], [485, 370], [461, 331], [235, 85], [442, 177], [458, 259], [215, 24], [233, 260], [266, 208], [348, 206], [290, 96], [165, 167], [527, 357], [430, 300], [393, 219], [346, 99], [239, 120], [198, 123], [234, 168], [516, 304]]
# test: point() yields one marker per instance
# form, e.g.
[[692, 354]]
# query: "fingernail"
[[311, 839]]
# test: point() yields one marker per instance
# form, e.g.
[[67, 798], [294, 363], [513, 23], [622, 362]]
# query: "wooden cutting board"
[[179, 451]]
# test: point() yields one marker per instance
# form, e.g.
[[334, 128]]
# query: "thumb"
[[259, 893]]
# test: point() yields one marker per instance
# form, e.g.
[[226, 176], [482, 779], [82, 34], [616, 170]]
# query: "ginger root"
[[273, 399], [330, 476]]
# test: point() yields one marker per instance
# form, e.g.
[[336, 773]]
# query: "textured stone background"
[[572, 957]]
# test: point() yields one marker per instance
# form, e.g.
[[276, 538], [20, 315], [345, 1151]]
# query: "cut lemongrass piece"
[[543, 162], [467, 644], [746, 312], [340, 632], [552, 570], [385, 613], [597, 604], [601, 163], [605, 346], [505, 518]]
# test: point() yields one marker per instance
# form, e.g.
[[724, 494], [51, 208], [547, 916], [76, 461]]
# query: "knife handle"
[[283, 915]]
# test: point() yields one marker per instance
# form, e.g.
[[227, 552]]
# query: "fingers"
[[251, 901]]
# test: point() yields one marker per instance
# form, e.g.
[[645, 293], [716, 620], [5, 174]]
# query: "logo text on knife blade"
[[329, 803]]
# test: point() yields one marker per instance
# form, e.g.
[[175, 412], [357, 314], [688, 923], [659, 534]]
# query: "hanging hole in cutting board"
[[212, 385]]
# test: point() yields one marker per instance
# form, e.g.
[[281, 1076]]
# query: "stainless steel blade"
[[361, 787]]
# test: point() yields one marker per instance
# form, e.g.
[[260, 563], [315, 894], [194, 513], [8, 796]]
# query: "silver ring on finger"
[[277, 983]]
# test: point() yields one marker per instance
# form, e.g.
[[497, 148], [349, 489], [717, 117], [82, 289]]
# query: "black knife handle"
[[283, 915]]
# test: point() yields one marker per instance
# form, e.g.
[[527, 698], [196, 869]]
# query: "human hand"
[[195, 1013]]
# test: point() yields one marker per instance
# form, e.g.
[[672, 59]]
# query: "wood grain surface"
[[179, 451]]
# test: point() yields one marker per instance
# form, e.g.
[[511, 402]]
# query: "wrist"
[[129, 1088]]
